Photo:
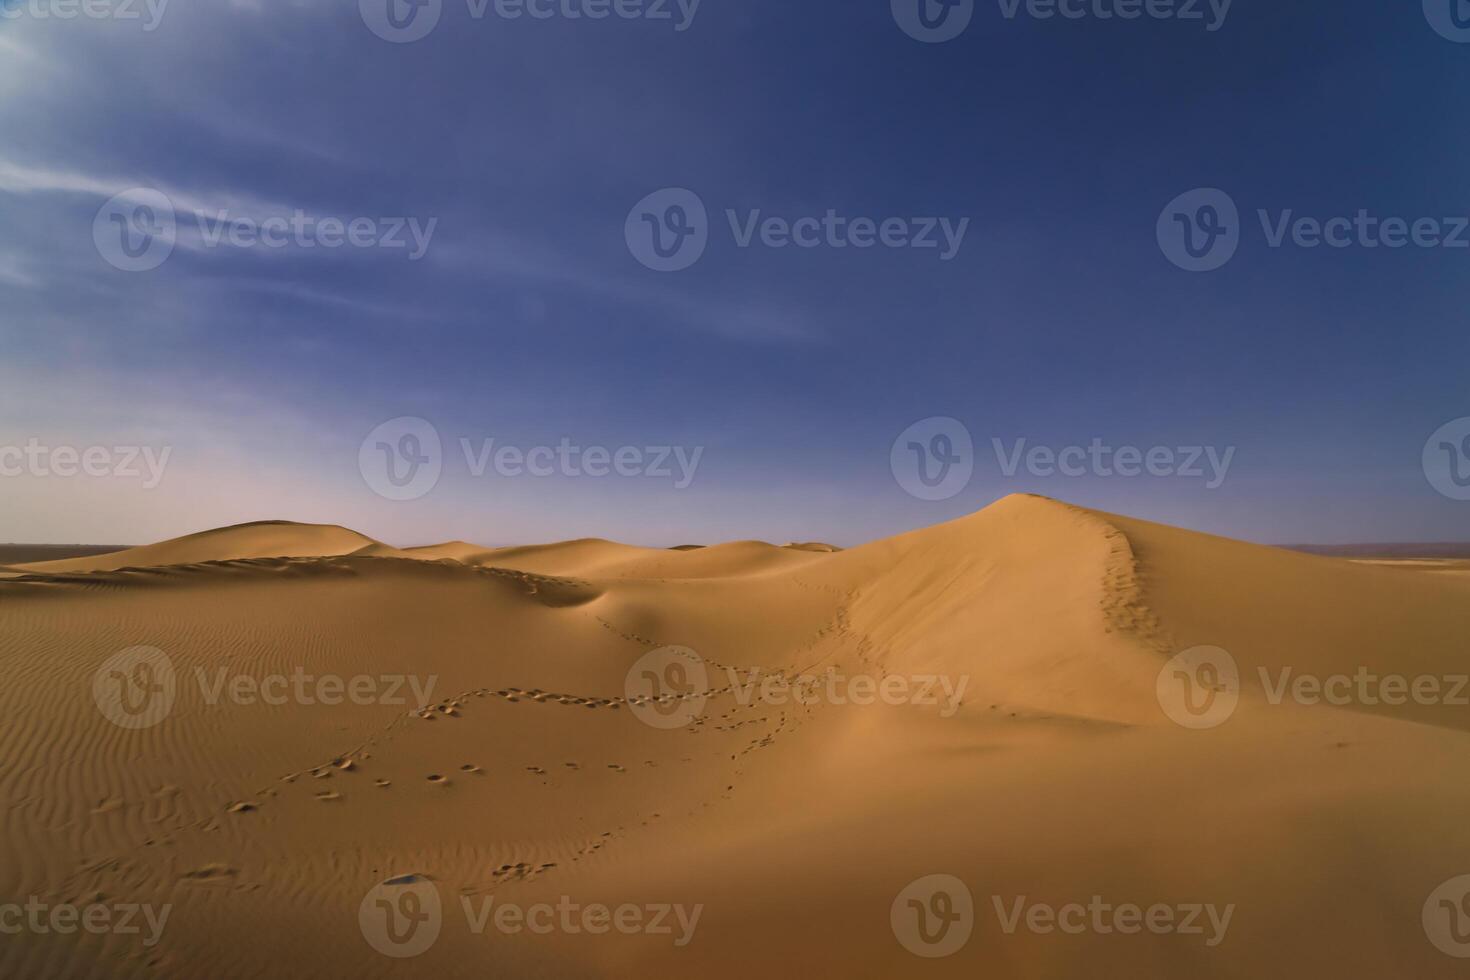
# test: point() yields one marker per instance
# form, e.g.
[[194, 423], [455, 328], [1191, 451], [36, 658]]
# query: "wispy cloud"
[[712, 314], [13, 274], [19, 178]]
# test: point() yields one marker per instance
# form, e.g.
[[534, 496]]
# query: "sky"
[[731, 269]]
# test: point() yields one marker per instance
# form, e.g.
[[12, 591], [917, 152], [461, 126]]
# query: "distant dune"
[[1401, 550], [266, 539], [1039, 764], [12, 554]]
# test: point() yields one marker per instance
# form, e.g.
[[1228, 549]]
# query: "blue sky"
[[528, 319]]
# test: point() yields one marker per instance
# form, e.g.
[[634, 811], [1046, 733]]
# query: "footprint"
[[438, 780], [210, 872], [467, 767]]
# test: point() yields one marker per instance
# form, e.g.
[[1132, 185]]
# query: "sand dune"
[[266, 539], [506, 743]]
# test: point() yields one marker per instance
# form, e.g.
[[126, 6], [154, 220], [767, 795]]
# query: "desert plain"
[[1035, 742]]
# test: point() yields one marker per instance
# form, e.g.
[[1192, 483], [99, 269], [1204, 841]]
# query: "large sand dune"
[[1024, 746]]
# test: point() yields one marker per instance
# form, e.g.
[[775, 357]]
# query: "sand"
[[496, 751]]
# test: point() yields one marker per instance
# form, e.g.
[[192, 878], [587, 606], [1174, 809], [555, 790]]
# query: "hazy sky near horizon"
[[263, 359]]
